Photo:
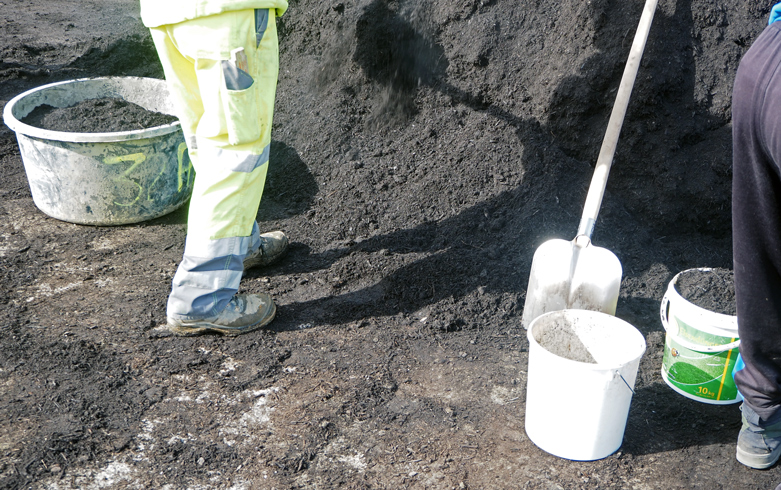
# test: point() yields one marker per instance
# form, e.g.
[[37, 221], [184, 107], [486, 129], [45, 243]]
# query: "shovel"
[[577, 274]]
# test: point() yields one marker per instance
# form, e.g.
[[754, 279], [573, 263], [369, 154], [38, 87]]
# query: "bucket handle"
[[625, 382], [665, 311]]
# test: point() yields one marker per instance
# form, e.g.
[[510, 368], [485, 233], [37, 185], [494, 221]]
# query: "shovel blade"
[[565, 275]]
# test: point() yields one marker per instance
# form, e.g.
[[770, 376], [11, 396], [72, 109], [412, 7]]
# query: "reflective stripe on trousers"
[[225, 106]]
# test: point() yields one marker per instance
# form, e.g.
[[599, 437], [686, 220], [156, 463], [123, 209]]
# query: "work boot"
[[758, 447], [273, 246], [244, 313]]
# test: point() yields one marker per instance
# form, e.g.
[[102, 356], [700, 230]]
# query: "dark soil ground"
[[422, 151]]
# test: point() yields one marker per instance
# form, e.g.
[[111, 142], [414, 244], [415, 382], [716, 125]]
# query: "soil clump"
[[101, 115]]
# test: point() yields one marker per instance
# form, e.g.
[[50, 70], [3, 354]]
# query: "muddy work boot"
[[273, 246], [759, 447], [244, 313]]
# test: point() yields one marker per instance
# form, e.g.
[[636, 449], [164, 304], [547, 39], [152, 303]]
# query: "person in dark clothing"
[[756, 236]]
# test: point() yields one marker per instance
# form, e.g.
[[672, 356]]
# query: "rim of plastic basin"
[[19, 127]]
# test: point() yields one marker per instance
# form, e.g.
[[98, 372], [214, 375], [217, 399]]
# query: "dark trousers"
[[756, 221]]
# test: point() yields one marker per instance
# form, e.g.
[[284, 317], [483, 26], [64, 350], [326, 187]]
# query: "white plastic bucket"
[[103, 178], [578, 410], [700, 349]]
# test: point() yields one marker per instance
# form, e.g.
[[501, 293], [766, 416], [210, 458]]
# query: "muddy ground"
[[422, 151]]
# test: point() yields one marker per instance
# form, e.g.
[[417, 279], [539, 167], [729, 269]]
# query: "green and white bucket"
[[700, 349]]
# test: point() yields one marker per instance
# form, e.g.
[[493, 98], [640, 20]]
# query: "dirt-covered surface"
[[562, 340], [709, 288], [104, 115], [422, 151]]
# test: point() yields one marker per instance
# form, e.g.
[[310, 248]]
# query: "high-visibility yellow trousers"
[[222, 74]]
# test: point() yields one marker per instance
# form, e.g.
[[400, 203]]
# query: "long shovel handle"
[[598, 182]]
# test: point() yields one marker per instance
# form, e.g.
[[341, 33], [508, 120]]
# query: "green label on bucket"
[[698, 375]]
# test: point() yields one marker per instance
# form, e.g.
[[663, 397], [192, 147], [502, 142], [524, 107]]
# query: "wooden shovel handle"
[[599, 180]]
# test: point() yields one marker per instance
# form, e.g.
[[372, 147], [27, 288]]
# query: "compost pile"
[[421, 151]]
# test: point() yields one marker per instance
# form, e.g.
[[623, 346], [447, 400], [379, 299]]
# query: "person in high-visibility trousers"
[[221, 61], [756, 238]]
